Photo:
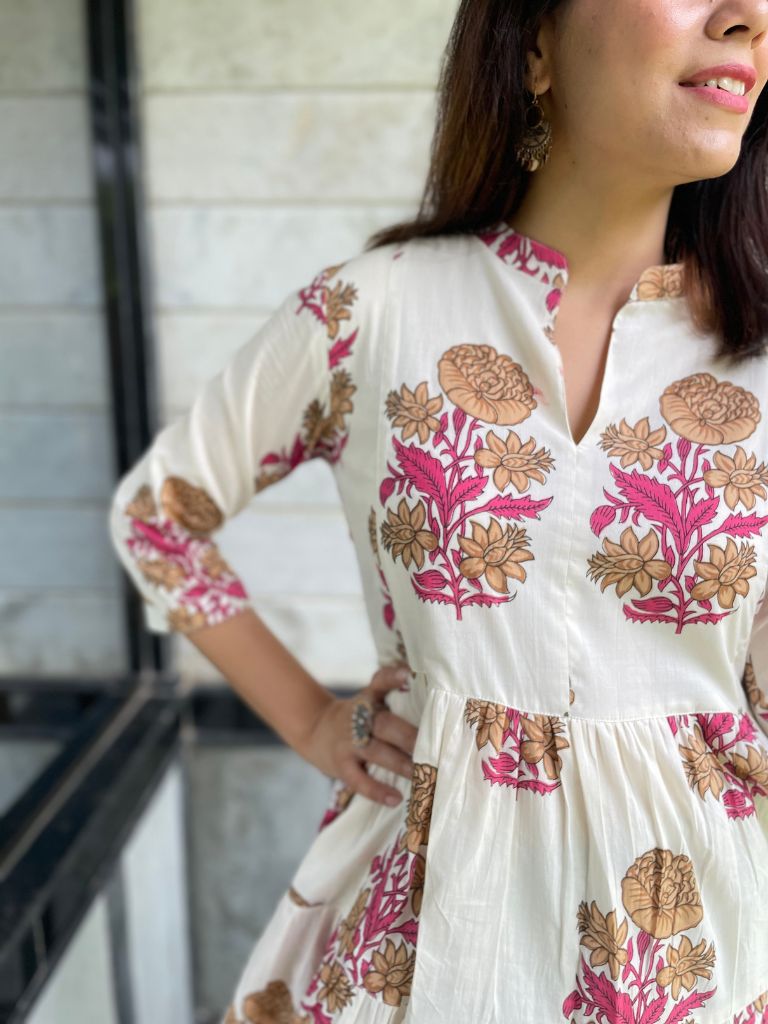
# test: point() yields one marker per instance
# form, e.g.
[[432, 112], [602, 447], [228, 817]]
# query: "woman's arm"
[[265, 674]]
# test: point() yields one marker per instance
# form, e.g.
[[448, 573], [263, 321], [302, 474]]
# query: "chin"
[[707, 165]]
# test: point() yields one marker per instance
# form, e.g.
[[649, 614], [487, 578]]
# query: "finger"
[[388, 677], [395, 729], [388, 757], [357, 777]]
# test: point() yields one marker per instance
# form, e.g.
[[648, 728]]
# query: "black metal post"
[[116, 148]]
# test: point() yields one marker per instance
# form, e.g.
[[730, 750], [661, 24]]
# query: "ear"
[[538, 59]]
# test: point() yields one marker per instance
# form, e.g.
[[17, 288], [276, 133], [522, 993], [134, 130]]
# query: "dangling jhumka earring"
[[533, 151]]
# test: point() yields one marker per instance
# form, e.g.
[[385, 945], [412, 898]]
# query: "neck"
[[608, 232]]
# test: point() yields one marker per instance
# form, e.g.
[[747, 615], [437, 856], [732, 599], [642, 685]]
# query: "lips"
[[743, 72]]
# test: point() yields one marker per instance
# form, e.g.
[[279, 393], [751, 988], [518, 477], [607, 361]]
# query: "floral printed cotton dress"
[[585, 834]]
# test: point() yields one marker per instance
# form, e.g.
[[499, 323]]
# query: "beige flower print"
[[544, 742], [188, 505], [703, 409], [320, 425], [348, 925], [603, 936], [295, 897], [753, 767], [726, 573], [336, 989], [403, 534], [391, 972], [342, 389], [414, 411], [634, 444], [491, 721], [513, 461], [487, 384], [198, 515], [702, 768], [495, 553], [372, 532], [739, 477], [494, 723], [422, 793], [685, 964], [337, 301], [661, 894], [630, 563], [662, 281], [270, 1005], [417, 882]]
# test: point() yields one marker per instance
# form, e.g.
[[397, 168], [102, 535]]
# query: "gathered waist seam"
[[568, 717]]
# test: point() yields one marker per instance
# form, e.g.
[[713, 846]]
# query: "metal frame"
[[117, 169]]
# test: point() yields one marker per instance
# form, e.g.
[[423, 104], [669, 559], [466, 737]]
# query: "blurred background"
[[169, 171]]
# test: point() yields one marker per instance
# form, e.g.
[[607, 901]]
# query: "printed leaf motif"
[[468, 489], [743, 526], [571, 1004], [517, 508], [341, 349], [655, 499], [425, 471], [459, 454], [616, 1005], [701, 513], [654, 1011], [693, 1002], [677, 552]]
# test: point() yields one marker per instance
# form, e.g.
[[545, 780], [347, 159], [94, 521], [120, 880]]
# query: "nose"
[[746, 19]]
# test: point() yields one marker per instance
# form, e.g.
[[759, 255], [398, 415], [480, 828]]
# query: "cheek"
[[619, 61]]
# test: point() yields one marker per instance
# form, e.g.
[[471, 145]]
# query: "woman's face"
[[614, 70]]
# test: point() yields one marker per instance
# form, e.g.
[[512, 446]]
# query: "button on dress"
[[584, 837]]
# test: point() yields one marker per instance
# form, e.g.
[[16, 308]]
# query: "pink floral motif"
[[341, 794], [530, 257], [755, 1013], [324, 431], [653, 976], [206, 590], [722, 757], [371, 951], [527, 746], [171, 544], [451, 463], [675, 491]]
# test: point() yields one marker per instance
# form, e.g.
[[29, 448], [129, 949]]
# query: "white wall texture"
[[59, 608]]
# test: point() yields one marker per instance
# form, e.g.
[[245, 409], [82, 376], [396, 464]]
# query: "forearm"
[[265, 674]]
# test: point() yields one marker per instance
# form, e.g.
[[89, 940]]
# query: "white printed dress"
[[585, 834]]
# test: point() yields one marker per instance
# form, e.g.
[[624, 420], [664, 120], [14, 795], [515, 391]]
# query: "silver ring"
[[363, 712]]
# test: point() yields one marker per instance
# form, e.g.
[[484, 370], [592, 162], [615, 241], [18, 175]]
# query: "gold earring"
[[534, 148]]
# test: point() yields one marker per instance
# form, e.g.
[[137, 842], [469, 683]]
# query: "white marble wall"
[[59, 607], [278, 134], [256, 809], [81, 987], [154, 873]]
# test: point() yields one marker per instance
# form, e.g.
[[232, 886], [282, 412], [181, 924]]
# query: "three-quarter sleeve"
[[755, 676], [276, 403]]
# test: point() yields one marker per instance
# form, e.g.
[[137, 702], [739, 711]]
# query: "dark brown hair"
[[717, 227]]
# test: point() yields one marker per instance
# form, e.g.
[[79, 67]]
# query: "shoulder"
[[378, 272], [355, 295]]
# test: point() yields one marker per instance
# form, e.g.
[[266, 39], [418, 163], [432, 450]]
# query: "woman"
[[545, 402]]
